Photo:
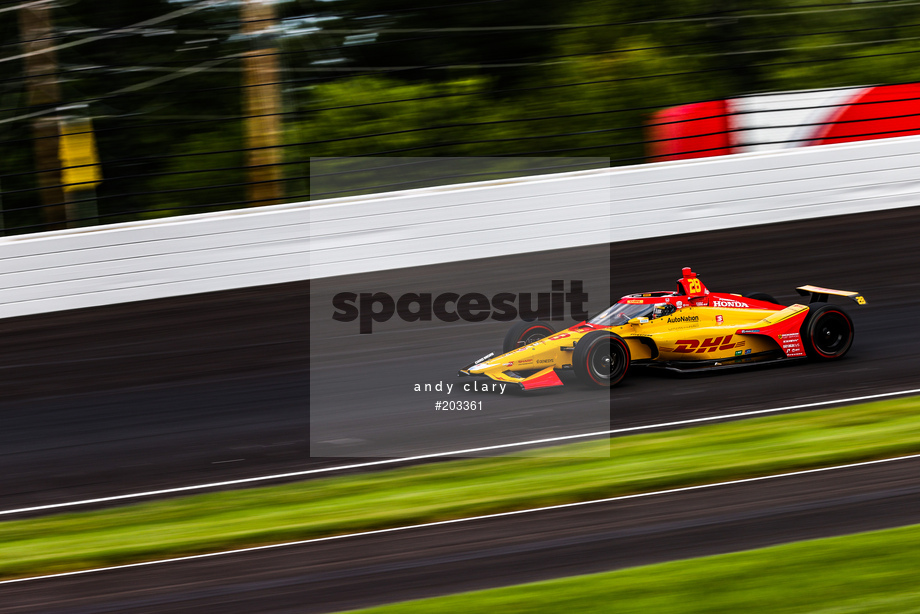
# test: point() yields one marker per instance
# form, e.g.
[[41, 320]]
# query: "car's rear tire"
[[762, 296], [525, 333], [600, 359], [827, 332]]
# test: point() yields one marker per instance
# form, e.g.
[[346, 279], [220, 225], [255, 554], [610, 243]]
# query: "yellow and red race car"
[[687, 329]]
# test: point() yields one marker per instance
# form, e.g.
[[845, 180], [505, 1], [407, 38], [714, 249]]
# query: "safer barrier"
[[219, 251]]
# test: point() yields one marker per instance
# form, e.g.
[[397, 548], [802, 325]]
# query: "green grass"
[[455, 489], [867, 573]]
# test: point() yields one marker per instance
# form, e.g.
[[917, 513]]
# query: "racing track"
[[368, 570], [172, 392], [203, 388]]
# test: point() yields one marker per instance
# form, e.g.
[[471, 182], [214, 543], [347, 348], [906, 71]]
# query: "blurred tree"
[[863, 44], [213, 165], [430, 41], [163, 81]]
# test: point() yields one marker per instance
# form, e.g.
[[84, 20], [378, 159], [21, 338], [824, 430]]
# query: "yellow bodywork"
[[693, 333]]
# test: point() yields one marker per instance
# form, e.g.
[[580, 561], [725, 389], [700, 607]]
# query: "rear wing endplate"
[[821, 294]]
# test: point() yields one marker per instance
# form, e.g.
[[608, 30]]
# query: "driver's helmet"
[[662, 309]]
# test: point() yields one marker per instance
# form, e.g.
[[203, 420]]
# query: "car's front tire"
[[600, 359], [525, 333], [827, 332]]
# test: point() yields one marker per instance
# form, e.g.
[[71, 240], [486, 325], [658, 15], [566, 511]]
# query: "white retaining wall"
[[219, 251]]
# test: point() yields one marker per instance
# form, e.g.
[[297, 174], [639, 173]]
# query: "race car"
[[687, 329]]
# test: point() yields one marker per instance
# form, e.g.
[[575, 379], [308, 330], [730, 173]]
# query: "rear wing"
[[821, 294]]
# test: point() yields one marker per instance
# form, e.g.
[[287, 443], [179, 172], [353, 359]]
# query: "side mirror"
[[637, 321]]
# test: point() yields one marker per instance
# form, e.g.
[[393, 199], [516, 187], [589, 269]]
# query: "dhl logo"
[[689, 346]]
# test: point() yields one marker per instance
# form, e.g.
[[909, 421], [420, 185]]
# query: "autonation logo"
[[370, 307]]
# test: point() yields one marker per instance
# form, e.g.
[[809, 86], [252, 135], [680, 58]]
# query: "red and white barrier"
[[784, 120]]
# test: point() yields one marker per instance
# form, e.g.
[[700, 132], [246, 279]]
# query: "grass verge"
[[217, 521], [866, 573]]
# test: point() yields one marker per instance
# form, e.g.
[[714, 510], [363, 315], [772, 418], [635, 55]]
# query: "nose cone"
[[524, 358], [481, 367]]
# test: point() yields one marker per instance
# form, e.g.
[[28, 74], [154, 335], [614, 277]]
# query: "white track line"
[[407, 459], [440, 523]]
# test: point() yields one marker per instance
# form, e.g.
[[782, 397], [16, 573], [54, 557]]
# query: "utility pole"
[[43, 93], [262, 105]]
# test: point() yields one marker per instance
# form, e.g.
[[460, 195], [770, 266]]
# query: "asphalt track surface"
[[195, 389], [211, 387], [361, 571]]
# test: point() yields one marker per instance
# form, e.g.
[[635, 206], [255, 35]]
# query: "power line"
[[25, 5], [138, 27], [203, 66], [551, 132], [148, 22]]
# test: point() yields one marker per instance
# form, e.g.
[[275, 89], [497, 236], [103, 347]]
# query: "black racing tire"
[[600, 359], [525, 333], [827, 332], [762, 296]]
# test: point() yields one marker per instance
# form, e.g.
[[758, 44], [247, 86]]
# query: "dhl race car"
[[684, 330]]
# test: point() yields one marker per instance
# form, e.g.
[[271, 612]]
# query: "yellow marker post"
[[80, 171]]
